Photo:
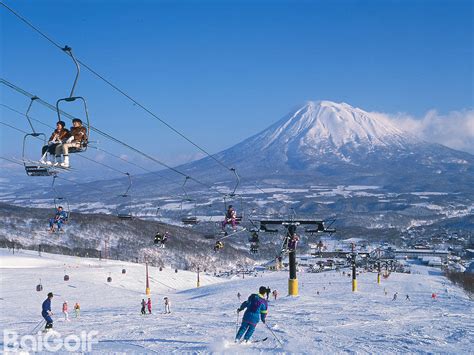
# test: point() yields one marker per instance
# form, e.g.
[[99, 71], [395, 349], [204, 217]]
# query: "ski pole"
[[237, 324], [37, 326], [274, 335]]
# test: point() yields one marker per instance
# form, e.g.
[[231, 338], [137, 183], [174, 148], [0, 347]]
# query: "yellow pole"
[[293, 287], [354, 285], [378, 278]]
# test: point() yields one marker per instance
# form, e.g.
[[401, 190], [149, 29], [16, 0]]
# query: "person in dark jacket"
[[46, 311], [256, 309], [59, 136], [143, 306]]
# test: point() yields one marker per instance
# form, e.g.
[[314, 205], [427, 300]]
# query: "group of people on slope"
[[62, 141], [47, 314], [147, 305]]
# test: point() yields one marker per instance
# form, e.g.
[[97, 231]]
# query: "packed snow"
[[203, 319]]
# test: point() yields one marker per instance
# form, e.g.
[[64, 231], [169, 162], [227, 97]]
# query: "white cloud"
[[454, 130]]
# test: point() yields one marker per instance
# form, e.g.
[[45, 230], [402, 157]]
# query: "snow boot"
[[65, 163]]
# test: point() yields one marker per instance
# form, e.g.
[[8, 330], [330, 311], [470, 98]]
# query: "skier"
[[149, 305], [59, 218], [167, 305], [46, 311], [275, 294], [238, 295], [65, 312], [256, 308], [230, 218], [433, 296], [143, 306], [407, 298], [77, 309], [267, 292], [395, 295]]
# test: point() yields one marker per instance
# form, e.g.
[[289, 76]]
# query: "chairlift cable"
[[122, 92]]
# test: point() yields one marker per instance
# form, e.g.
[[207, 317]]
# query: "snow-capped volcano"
[[328, 127], [333, 142]]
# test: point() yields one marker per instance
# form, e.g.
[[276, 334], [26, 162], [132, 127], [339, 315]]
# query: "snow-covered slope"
[[203, 319]]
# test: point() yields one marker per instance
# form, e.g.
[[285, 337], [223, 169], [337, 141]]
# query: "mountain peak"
[[325, 125]]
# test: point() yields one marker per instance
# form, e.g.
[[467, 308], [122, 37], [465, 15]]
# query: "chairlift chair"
[[190, 219], [126, 213], [61, 201], [73, 98], [31, 168]]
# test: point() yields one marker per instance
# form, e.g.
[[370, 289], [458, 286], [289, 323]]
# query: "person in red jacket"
[[149, 305]]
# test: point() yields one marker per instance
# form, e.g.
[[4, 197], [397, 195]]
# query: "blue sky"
[[220, 71]]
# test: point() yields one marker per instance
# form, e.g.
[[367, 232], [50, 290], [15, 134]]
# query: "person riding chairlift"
[[59, 218], [230, 218], [218, 246], [59, 136], [77, 140]]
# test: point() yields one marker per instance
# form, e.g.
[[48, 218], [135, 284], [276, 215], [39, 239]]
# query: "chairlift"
[[73, 98], [190, 219], [126, 212], [39, 287], [232, 198], [61, 201], [31, 168]]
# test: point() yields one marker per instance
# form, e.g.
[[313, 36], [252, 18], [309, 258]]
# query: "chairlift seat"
[[190, 220], [124, 216], [35, 170]]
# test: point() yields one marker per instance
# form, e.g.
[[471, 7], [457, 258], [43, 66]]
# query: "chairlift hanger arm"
[[237, 182], [129, 184], [32, 99], [68, 51]]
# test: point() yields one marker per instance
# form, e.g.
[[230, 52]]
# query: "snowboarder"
[[143, 306], [46, 311], [407, 298], [238, 295], [148, 304], [59, 218], [230, 218], [65, 311], [256, 308], [275, 294], [167, 305], [77, 309], [395, 295]]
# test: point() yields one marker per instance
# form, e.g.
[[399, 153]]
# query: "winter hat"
[[262, 290], [61, 123], [77, 120]]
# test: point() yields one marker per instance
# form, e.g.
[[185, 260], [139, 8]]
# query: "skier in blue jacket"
[[46, 311], [256, 309]]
